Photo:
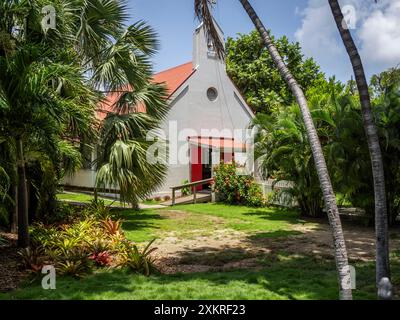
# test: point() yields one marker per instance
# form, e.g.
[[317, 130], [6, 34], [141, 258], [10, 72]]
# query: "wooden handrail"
[[191, 184]]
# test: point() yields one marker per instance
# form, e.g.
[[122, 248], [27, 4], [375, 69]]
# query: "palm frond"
[[203, 13]]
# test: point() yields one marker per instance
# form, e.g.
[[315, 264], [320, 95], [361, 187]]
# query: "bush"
[[87, 242], [139, 261], [232, 188], [63, 213], [3, 241], [167, 198], [187, 190], [98, 210]]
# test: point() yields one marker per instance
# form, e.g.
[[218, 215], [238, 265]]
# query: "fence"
[[270, 186]]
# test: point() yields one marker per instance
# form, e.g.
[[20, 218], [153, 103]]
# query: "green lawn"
[[280, 275], [83, 198], [257, 222], [290, 278], [87, 198]]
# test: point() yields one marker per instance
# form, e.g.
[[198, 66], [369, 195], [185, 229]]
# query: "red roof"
[[173, 78]]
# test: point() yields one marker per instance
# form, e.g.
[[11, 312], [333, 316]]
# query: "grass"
[[87, 198], [279, 275], [286, 277], [149, 224], [203, 219], [83, 198], [268, 221], [152, 202]]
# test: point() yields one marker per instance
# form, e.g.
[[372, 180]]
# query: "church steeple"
[[203, 49]]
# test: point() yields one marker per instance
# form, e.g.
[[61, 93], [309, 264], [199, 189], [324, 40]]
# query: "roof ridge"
[[172, 68]]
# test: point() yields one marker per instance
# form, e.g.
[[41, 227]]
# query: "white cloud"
[[380, 35], [377, 35]]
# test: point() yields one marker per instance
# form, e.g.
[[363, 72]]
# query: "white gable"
[[193, 111], [192, 108]]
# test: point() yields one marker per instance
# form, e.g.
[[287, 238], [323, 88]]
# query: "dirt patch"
[[360, 242], [228, 249], [10, 274], [174, 214]]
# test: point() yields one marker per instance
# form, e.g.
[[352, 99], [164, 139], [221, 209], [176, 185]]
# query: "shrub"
[[99, 246], [187, 190], [139, 261], [33, 259], [2, 241], [63, 213], [85, 243], [254, 196], [113, 228], [158, 199], [101, 258], [167, 198], [97, 209], [75, 268], [232, 188]]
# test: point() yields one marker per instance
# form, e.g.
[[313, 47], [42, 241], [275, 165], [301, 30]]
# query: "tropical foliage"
[[51, 82], [282, 146], [252, 69], [284, 153], [233, 188], [386, 90], [86, 242]]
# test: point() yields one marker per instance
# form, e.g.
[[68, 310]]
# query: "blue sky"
[[376, 29]]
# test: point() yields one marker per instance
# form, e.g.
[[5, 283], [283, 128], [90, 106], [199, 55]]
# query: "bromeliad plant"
[[139, 261], [87, 242]]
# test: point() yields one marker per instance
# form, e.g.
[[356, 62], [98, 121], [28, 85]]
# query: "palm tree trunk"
[[23, 232], [381, 220], [320, 164], [14, 212]]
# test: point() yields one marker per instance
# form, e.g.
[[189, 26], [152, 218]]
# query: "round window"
[[212, 94]]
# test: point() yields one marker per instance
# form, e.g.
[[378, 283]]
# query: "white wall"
[[85, 178], [191, 108]]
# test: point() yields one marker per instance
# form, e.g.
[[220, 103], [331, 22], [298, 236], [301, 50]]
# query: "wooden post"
[[194, 195], [173, 197]]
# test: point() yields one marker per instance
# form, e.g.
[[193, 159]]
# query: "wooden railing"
[[192, 185]]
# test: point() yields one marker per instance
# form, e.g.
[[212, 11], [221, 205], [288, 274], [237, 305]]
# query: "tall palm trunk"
[[381, 220], [23, 232], [14, 210], [320, 164]]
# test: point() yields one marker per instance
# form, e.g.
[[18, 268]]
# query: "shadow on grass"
[[137, 220], [279, 214], [274, 234], [279, 277]]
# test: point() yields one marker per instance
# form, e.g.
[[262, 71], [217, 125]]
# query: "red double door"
[[201, 163]]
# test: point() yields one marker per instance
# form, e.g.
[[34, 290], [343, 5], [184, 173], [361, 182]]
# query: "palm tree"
[[43, 103], [122, 148], [50, 82], [381, 219], [203, 12]]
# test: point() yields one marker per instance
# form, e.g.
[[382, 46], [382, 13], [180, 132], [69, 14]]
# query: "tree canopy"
[[251, 68]]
